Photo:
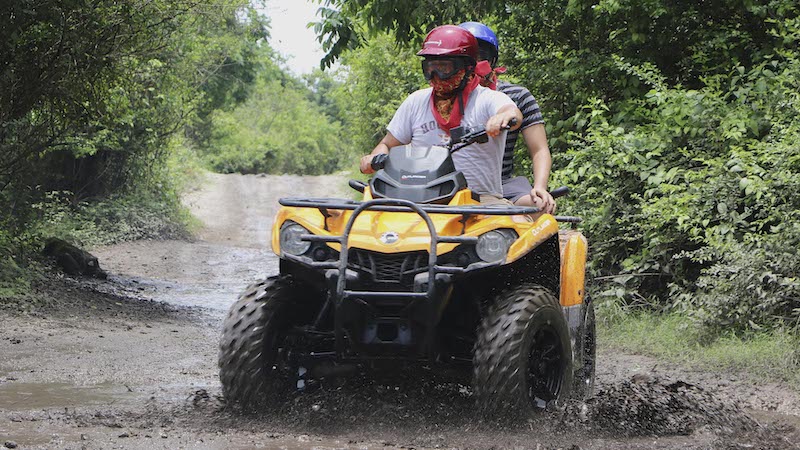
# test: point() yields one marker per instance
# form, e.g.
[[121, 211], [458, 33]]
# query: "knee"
[[525, 200]]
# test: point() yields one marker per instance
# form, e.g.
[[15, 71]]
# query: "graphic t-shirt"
[[413, 123]]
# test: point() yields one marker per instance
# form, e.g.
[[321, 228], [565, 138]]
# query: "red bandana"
[[456, 113], [490, 79]]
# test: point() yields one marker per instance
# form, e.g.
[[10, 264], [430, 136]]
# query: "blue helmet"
[[486, 38], [482, 33]]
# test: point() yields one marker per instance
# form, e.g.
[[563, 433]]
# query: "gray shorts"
[[514, 188], [487, 199]]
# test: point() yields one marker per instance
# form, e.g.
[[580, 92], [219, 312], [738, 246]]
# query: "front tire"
[[252, 366], [523, 355]]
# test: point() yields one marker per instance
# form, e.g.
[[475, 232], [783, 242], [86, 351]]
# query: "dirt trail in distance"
[[131, 363]]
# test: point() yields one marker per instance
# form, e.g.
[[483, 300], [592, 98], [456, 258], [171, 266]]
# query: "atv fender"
[[573, 267]]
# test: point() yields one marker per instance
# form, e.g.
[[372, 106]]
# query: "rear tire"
[[523, 355], [586, 349], [252, 365]]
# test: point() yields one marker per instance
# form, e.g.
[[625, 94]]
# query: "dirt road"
[[131, 363]]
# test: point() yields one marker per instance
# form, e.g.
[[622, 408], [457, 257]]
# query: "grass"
[[769, 356]]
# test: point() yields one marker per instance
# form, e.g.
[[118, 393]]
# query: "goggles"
[[442, 68]]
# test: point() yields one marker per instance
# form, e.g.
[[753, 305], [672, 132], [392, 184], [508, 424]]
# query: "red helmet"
[[450, 40]]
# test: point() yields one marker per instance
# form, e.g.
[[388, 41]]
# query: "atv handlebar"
[[559, 192], [357, 185], [461, 137]]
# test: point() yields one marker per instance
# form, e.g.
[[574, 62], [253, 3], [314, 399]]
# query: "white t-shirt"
[[414, 123]]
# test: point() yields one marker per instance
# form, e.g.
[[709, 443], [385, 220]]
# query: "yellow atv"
[[418, 271]]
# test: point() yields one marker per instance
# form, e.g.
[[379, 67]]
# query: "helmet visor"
[[443, 68]]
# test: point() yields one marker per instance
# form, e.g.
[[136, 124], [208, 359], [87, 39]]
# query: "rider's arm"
[[502, 119], [536, 140], [383, 146]]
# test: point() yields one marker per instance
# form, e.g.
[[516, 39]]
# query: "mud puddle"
[[26, 396], [194, 274], [419, 410]]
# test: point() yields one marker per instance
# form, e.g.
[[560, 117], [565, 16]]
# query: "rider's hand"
[[498, 122], [543, 200], [366, 163]]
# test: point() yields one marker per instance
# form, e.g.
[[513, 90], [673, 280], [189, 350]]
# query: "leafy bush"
[[116, 219], [752, 286], [277, 130], [695, 194], [14, 280]]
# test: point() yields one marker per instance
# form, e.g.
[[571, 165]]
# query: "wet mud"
[[130, 362]]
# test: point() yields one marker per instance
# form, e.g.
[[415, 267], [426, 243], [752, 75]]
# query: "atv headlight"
[[493, 246], [290, 239]]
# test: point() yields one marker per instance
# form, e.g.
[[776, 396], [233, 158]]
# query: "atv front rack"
[[325, 204], [424, 290], [398, 205]]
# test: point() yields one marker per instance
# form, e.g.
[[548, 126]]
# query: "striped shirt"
[[531, 115]]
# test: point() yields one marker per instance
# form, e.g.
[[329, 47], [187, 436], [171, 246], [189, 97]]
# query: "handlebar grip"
[[511, 123], [357, 185], [559, 192], [378, 161]]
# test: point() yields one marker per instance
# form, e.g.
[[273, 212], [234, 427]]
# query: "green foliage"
[[349, 24], [277, 130], [92, 95], [14, 280], [379, 76], [318, 125], [137, 216], [697, 190], [754, 286], [93, 99]]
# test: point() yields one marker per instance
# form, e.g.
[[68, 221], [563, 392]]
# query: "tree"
[[92, 94], [379, 76]]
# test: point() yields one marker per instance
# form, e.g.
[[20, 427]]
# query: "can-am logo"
[[413, 177], [390, 237]]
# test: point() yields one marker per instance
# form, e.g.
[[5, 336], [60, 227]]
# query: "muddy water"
[[26, 396], [184, 273]]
